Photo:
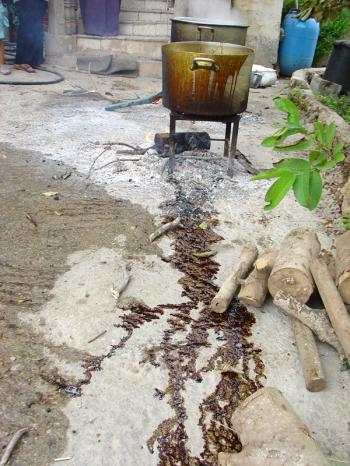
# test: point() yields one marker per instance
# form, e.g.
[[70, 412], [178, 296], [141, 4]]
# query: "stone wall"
[[63, 27], [264, 19]]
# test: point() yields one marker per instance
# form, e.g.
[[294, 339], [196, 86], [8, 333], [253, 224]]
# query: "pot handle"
[[204, 63], [201, 28]]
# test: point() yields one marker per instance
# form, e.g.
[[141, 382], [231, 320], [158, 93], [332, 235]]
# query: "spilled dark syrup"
[[232, 331]]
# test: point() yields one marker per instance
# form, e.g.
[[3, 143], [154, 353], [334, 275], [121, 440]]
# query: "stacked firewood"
[[291, 275]]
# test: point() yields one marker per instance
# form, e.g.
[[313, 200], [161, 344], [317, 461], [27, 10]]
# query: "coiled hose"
[[10, 52]]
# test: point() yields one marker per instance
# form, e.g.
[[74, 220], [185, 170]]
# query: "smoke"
[[216, 10]]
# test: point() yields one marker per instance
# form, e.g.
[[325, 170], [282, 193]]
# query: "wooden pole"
[[333, 302], [316, 319], [227, 291], [315, 380], [343, 266]]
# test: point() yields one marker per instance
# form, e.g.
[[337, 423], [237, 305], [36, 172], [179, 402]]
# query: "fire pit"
[[206, 81]]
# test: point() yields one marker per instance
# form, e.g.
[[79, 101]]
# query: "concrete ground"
[[58, 274]]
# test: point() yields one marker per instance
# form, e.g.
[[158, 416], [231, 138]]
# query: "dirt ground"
[[121, 399], [33, 256]]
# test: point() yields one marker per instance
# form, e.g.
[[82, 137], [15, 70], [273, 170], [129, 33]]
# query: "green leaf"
[[286, 105], [296, 166], [203, 226], [315, 187], [279, 190], [327, 165], [317, 158], [281, 135], [270, 141], [320, 133], [268, 174], [338, 153], [301, 188], [302, 144], [330, 135]]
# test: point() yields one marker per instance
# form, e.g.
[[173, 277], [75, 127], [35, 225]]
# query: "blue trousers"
[[30, 33]]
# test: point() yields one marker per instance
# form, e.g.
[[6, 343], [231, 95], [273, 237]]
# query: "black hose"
[[59, 79]]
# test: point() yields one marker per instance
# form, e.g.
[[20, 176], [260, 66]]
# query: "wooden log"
[[183, 142], [271, 434], [314, 377], [165, 228], [291, 272], [333, 302], [227, 291], [254, 289], [328, 258], [343, 265], [315, 319]]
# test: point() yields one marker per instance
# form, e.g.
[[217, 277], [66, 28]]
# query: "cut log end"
[[254, 289], [218, 305], [316, 384], [293, 282]]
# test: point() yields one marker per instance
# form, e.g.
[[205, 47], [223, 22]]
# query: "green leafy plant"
[[346, 221], [322, 10], [303, 176], [330, 32], [341, 105]]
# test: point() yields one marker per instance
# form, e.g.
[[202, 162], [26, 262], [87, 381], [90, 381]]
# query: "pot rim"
[[208, 22], [209, 44]]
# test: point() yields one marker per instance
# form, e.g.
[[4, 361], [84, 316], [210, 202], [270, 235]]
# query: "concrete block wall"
[[264, 19], [145, 26], [147, 18]]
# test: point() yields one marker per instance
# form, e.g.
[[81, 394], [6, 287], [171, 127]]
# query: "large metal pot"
[[195, 29], [206, 78]]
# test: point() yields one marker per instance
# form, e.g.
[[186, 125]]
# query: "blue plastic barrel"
[[298, 47]]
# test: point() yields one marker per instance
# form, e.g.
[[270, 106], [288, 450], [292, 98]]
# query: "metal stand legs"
[[233, 147], [172, 144], [231, 135]]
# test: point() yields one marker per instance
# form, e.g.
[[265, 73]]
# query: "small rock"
[[42, 321], [51, 441]]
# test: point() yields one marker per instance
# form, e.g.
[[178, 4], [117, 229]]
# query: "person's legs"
[[38, 42], [30, 34]]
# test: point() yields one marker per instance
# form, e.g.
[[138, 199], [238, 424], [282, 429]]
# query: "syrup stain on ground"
[[232, 331]]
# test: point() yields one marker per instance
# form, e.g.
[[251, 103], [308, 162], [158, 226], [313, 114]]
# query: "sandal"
[[24, 67]]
